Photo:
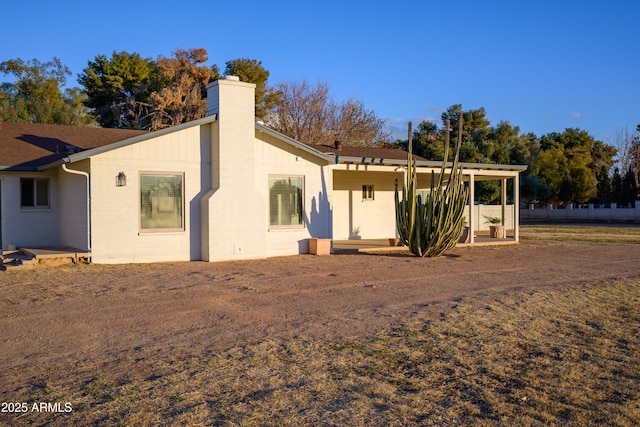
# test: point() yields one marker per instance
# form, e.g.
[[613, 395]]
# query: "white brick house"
[[218, 188]]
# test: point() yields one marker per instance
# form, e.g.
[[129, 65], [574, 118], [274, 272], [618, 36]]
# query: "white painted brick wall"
[[115, 211], [73, 207], [365, 219], [28, 227]]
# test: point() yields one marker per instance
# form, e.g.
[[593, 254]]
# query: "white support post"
[[503, 200], [516, 207]]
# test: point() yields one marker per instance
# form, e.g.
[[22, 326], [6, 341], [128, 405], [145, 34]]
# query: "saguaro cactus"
[[433, 226]]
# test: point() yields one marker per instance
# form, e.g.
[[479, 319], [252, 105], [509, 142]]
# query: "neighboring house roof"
[[28, 146]]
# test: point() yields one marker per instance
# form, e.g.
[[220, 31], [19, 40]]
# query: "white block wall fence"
[[589, 212]]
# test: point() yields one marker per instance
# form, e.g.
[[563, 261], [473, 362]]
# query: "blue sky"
[[541, 65]]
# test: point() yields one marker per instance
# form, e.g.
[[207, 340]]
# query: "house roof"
[[345, 154], [28, 146], [366, 152], [399, 157]]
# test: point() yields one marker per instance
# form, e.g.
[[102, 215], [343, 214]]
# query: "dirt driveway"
[[63, 320]]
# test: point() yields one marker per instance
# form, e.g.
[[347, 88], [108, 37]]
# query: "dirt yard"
[[56, 320]]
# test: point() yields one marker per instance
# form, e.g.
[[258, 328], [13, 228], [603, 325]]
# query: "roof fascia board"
[[126, 142], [370, 160], [17, 169], [427, 163], [494, 166]]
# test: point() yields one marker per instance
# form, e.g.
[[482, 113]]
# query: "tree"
[[476, 126], [481, 143], [357, 126], [629, 193], [532, 188], [76, 112], [634, 154], [252, 71], [551, 167], [602, 155], [451, 116], [585, 156], [477, 146], [35, 95], [183, 94], [628, 145], [525, 150], [576, 153], [502, 139], [302, 112], [603, 186], [308, 113], [427, 141], [565, 191], [118, 89], [616, 186], [582, 181]]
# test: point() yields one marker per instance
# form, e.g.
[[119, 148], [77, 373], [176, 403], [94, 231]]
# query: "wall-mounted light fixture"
[[121, 180]]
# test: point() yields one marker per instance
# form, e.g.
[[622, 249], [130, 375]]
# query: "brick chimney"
[[233, 168]]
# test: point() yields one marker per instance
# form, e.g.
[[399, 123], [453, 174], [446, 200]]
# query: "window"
[[34, 192], [161, 203], [285, 201], [367, 192]]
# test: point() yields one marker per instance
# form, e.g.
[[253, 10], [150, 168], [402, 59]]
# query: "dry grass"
[[566, 356], [562, 357], [599, 233]]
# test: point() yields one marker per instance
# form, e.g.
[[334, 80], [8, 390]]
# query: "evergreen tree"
[[119, 88], [252, 71], [616, 187], [427, 142], [629, 189], [604, 185], [565, 192]]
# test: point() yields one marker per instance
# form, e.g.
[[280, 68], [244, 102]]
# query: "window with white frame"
[[34, 193], [161, 201], [367, 192], [285, 201]]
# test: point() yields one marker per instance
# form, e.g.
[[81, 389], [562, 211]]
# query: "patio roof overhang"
[[480, 171], [471, 172]]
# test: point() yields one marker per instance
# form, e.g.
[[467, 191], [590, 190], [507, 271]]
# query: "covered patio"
[[509, 213], [364, 207]]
